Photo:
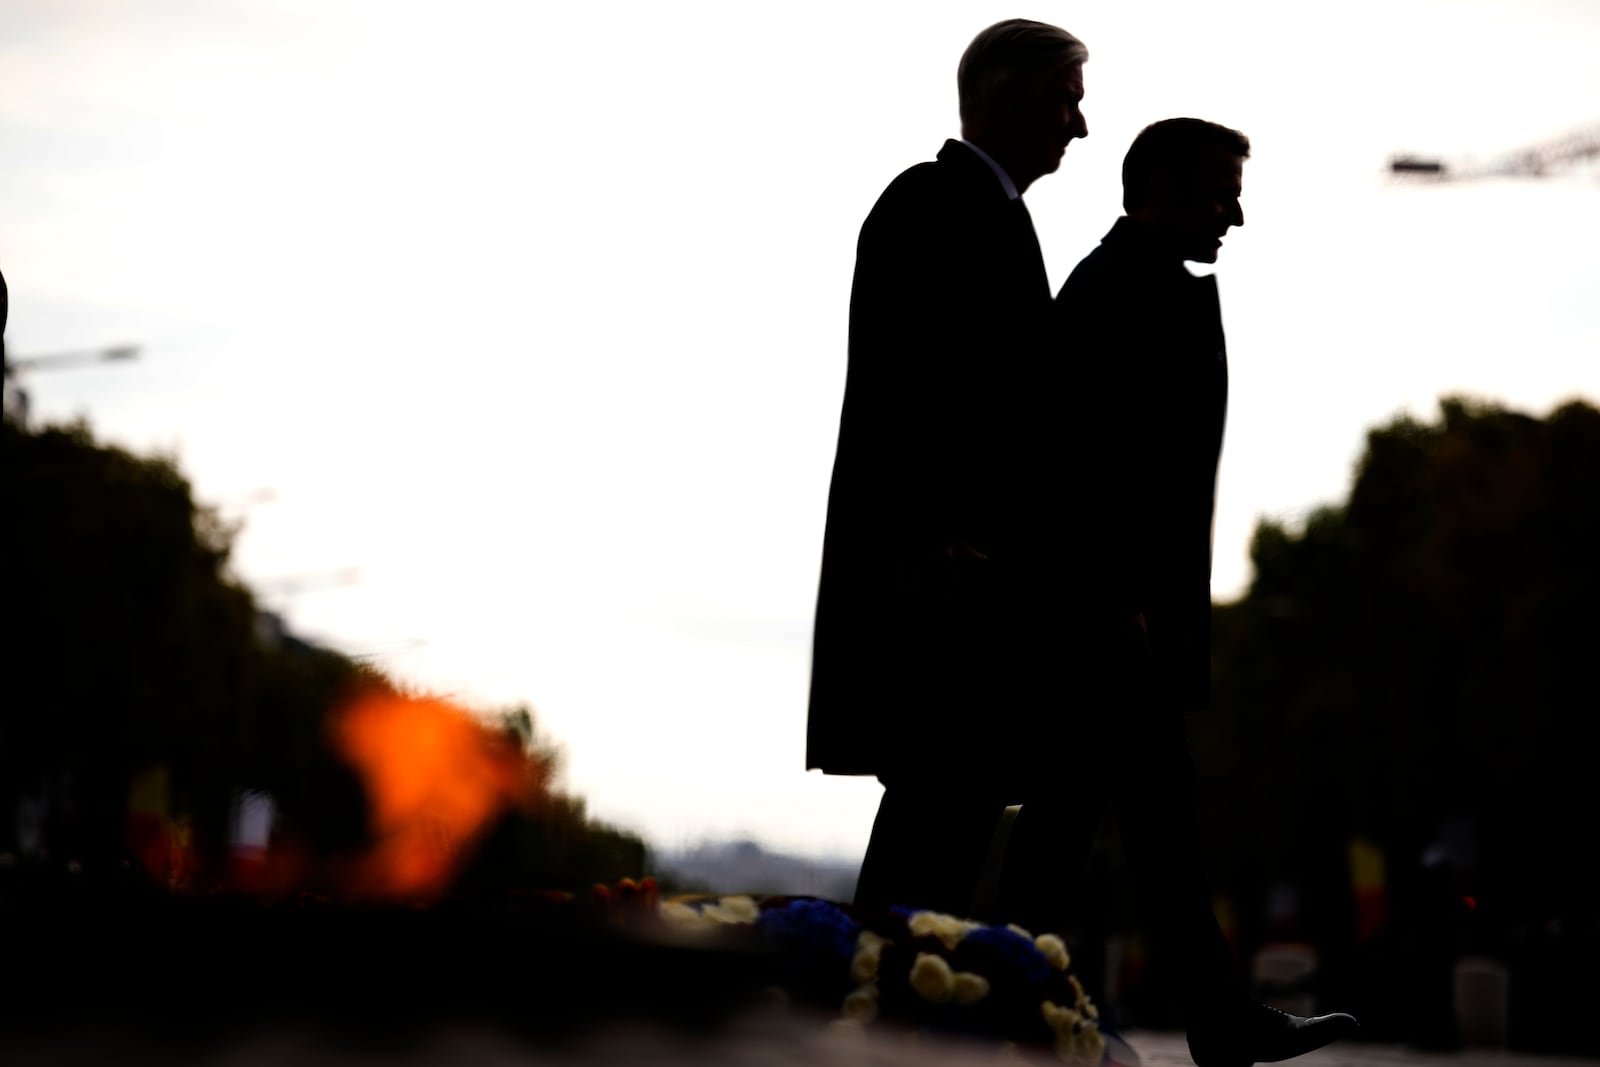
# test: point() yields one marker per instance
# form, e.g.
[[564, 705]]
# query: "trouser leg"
[[1042, 885], [1064, 772], [1160, 830], [927, 848]]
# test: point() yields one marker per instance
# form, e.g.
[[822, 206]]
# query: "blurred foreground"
[[154, 969], [202, 975]]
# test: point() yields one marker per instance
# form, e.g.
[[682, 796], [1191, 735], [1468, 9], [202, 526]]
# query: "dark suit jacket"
[[1151, 385], [947, 311]]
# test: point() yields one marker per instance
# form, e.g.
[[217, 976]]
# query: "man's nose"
[[1238, 216]]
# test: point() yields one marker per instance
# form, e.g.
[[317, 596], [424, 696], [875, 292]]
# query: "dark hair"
[[1009, 52], [1174, 145]]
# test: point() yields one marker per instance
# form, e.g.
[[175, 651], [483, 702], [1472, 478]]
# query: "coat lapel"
[[1021, 256]]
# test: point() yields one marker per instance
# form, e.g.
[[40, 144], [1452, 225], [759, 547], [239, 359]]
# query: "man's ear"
[[1160, 187], [1156, 188]]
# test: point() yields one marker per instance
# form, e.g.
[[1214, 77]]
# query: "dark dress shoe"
[[1259, 1034]]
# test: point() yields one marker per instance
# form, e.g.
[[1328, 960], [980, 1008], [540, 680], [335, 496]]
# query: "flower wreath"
[[920, 970]]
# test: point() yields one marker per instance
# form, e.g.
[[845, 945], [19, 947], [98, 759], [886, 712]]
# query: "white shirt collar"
[[999, 171]]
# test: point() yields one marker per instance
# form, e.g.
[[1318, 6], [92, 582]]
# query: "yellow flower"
[[1064, 1021], [1084, 1004], [869, 949], [932, 978], [970, 988], [862, 1005], [1078, 1040], [1091, 1044], [1087, 1046], [947, 928], [1054, 949]]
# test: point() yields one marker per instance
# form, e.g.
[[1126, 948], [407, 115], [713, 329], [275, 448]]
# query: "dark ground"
[[160, 979]]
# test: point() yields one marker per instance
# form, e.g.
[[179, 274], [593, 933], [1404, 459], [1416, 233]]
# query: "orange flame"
[[436, 778]]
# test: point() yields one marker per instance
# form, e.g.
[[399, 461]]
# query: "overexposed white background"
[[534, 315]]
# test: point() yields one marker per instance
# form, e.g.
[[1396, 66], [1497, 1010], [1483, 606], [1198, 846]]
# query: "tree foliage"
[[132, 646], [1418, 657], [129, 643]]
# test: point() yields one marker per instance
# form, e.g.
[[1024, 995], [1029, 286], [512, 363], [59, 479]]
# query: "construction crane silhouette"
[[18, 399], [1570, 150]]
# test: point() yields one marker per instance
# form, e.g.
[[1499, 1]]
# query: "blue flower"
[[813, 926], [1005, 951]]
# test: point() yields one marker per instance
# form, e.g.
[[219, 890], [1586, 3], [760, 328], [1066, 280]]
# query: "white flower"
[[734, 911], [678, 914]]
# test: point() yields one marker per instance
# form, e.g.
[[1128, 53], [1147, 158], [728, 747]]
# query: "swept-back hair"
[[1013, 54], [1174, 145]]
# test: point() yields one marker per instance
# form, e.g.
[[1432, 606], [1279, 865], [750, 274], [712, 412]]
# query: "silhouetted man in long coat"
[[1140, 440], [934, 470]]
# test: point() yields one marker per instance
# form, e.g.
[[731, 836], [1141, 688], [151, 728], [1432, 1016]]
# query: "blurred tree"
[[131, 647], [1415, 666], [554, 845]]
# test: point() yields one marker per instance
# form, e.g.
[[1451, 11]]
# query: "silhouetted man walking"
[[933, 474], [1142, 436]]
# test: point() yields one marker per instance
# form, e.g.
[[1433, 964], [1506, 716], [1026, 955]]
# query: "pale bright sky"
[[534, 314]]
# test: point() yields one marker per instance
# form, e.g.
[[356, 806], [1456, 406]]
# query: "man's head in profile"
[[1182, 179], [1021, 84]]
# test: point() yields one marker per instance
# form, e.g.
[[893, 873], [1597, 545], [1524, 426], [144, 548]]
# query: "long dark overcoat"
[[947, 311], [1146, 351]]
